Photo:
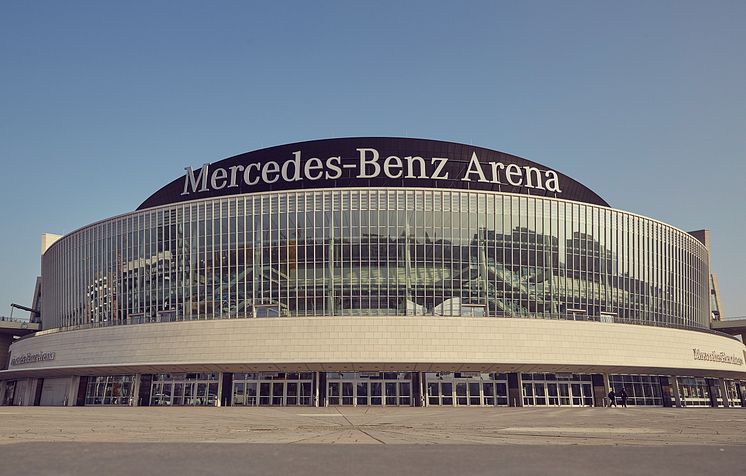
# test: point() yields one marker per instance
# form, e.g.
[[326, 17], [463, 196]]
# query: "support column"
[[22, 395], [416, 387], [37, 385], [676, 391], [10, 392], [73, 388], [515, 392], [143, 395], [667, 392], [225, 389], [219, 396], [5, 341], [713, 389], [481, 392], [423, 389], [82, 389], [316, 389], [724, 392], [600, 386], [322, 389], [135, 401]]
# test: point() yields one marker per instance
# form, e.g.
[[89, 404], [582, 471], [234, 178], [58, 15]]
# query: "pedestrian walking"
[[623, 396], [612, 398]]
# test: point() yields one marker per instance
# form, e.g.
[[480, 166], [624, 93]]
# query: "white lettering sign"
[[369, 164], [715, 356], [29, 358]]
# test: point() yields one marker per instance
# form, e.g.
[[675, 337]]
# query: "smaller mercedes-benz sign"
[[30, 358], [715, 356]]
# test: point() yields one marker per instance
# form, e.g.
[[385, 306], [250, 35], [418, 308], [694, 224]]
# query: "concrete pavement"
[[367, 425], [371, 441]]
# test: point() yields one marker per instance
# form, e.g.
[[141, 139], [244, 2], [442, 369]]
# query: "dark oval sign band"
[[380, 162]]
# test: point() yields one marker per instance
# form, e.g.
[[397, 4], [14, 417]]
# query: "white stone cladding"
[[370, 343]]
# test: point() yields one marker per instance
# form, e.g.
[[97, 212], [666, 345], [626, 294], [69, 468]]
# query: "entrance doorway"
[[369, 388], [563, 390], [273, 389], [694, 392], [197, 389], [463, 389], [10, 391]]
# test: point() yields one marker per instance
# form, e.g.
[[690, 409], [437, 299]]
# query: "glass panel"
[[488, 389], [334, 393], [461, 398], [278, 390], [474, 398], [577, 397], [305, 389], [587, 395], [540, 392], [376, 252], [433, 393], [178, 394], [528, 394], [391, 397], [265, 393], [362, 393], [502, 393], [446, 393], [347, 393], [404, 394], [188, 394], [375, 392], [292, 394], [250, 394], [553, 395]]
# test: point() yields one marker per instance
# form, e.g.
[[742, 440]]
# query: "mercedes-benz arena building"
[[375, 271]]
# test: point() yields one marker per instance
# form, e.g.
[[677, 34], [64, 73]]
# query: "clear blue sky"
[[101, 103]]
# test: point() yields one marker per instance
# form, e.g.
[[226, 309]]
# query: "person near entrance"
[[612, 398], [623, 396]]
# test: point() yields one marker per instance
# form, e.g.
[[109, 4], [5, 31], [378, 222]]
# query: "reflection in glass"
[[377, 252]]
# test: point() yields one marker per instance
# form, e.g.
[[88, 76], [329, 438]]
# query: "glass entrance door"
[[334, 393], [462, 397], [278, 394], [557, 390], [467, 389], [694, 392], [272, 389], [10, 391], [363, 390], [348, 393], [265, 393], [552, 394], [184, 389], [376, 394], [369, 388]]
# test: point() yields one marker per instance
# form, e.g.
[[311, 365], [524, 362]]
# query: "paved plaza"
[[88, 440], [376, 426]]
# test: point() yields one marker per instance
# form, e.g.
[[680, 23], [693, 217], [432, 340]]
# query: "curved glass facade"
[[350, 252]]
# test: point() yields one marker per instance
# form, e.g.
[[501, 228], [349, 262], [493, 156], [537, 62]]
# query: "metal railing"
[[14, 319], [603, 318]]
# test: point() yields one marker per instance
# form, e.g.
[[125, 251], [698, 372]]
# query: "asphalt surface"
[[365, 460], [372, 441]]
